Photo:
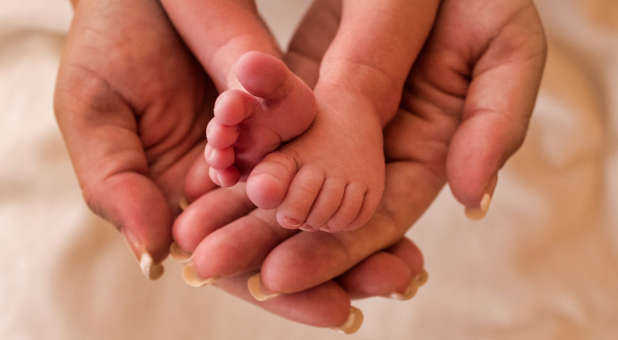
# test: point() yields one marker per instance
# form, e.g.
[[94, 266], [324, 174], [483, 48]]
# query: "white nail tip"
[[151, 270], [193, 279], [481, 211], [408, 294], [257, 290], [353, 323], [183, 204]]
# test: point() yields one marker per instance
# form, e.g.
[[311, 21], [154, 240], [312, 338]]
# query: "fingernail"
[[151, 270], [258, 291], [192, 278], [421, 278], [307, 228], [480, 212], [407, 294], [179, 254], [417, 282], [353, 323], [183, 204]]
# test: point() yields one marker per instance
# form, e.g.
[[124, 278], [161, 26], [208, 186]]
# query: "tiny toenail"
[[292, 222]]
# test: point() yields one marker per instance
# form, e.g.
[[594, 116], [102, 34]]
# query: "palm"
[[143, 104]]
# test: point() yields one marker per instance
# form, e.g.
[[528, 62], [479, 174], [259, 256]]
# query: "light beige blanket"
[[543, 265]]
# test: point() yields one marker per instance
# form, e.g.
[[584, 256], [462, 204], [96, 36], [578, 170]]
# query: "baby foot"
[[273, 107], [331, 178]]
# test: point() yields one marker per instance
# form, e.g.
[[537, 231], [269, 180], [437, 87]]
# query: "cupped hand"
[[132, 104], [464, 111]]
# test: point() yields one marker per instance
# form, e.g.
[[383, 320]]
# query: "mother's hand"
[[464, 111], [132, 105]]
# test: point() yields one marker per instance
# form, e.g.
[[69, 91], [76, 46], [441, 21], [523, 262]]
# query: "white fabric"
[[543, 265]]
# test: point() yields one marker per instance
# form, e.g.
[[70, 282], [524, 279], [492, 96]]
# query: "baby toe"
[[327, 203], [305, 187], [219, 158], [349, 209], [221, 136], [224, 177]]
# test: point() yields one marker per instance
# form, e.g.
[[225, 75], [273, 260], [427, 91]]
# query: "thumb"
[[497, 110], [100, 131]]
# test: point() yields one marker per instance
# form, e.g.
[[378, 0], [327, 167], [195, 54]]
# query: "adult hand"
[[464, 111], [132, 104]]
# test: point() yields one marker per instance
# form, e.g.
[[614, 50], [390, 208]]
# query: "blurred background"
[[542, 265]]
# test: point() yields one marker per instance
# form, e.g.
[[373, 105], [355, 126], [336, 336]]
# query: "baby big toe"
[[269, 181], [353, 199], [252, 67], [303, 190]]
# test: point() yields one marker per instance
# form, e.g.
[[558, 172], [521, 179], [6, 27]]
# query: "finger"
[[497, 110], [100, 132], [229, 246], [396, 272], [229, 28], [327, 305], [209, 212]]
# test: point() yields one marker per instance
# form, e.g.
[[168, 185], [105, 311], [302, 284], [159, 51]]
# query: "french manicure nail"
[[479, 212], [151, 270], [179, 254], [421, 278], [258, 291], [417, 282], [183, 204], [407, 294], [192, 278], [353, 323]]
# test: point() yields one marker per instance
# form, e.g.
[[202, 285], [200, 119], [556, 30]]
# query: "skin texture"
[[464, 110], [501, 44], [133, 139]]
